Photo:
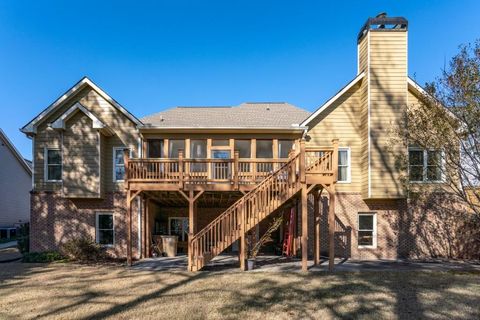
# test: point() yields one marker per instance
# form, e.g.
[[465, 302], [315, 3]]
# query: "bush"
[[83, 249], [23, 238], [42, 257]]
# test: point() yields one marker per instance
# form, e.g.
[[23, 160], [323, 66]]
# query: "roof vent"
[[268, 108]]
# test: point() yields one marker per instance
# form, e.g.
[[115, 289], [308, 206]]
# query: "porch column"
[[148, 233], [331, 230], [304, 205], [192, 227], [316, 219], [129, 228]]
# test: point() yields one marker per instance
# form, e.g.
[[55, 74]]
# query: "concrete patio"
[[229, 262]]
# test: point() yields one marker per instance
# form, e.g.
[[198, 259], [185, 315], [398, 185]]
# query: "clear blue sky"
[[152, 55]]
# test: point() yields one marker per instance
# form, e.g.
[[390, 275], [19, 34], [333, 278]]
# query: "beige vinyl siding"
[[342, 121], [125, 134], [388, 99], [363, 92], [15, 186], [81, 158]]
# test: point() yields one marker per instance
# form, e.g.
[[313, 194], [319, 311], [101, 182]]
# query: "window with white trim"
[[424, 165], [53, 164], [367, 230], [344, 165], [105, 234], [118, 164]]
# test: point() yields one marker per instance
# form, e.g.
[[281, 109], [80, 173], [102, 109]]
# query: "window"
[[178, 227], [284, 147], [155, 148], [198, 149], [424, 165], [367, 230], [244, 148], [174, 147], [104, 229], [53, 164], [220, 143], [118, 164], [265, 149], [344, 165]]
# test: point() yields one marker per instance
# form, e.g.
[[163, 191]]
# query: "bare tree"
[[446, 123]]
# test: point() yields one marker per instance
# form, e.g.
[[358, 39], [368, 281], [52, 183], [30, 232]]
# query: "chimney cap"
[[382, 21]]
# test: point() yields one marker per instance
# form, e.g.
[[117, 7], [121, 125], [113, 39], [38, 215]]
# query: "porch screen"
[[284, 147], [244, 148], [174, 147], [155, 148], [264, 151], [198, 150]]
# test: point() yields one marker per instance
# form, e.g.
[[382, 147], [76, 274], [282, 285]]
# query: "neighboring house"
[[211, 174], [15, 187]]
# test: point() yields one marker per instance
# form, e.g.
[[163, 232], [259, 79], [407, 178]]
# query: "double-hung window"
[[105, 229], [53, 164], [367, 230], [344, 165], [424, 165], [118, 164]]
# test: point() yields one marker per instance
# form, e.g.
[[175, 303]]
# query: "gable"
[[16, 154], [334, 99], [84, 84]]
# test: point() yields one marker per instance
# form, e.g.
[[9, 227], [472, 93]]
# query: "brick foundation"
[[55, 220], [434, 227]]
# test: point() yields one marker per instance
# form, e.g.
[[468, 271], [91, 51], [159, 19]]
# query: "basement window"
[[367, 230], [105, 229]]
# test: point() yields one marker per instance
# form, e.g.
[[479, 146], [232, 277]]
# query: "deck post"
[[191, 227], [144, 227], [129, 228], [304, 205], [242, 238], [316, 219], [235, 169], [331, 229], [147, 228], [180, 169]]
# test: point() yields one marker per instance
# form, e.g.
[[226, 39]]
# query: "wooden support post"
[[304, 205], [331, 229], [148, 228], [144, 228], [302, 162], [180, 169], [129, 228], [243, 247], [316, 219], [236, 155], [191, 226]]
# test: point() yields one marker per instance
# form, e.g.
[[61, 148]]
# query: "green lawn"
[[69, 291]]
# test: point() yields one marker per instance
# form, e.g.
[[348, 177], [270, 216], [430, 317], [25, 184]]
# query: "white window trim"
[[170, 225], [374, 235], [113, 161], [97, 238], [45, 163], [349, 165], [425, 161]]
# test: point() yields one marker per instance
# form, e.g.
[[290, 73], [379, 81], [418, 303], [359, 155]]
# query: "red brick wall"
[[435, 227], [55, 220]]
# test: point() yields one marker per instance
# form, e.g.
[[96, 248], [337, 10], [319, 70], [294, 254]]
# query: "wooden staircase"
[[274, 191]]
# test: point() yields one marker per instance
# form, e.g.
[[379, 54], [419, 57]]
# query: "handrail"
[[247, 196]]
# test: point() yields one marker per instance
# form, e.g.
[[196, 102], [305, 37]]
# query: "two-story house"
[[210, 175]]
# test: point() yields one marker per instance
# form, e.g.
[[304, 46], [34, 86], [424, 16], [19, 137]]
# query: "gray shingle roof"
[[246, 115]]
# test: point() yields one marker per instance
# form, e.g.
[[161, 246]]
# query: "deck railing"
[[201, 171]]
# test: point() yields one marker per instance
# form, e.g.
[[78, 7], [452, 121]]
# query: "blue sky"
[[152, 55]]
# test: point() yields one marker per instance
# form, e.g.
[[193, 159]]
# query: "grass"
[[70, 291]]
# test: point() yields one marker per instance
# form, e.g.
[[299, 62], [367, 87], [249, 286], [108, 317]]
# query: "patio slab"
[[228, 262]]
